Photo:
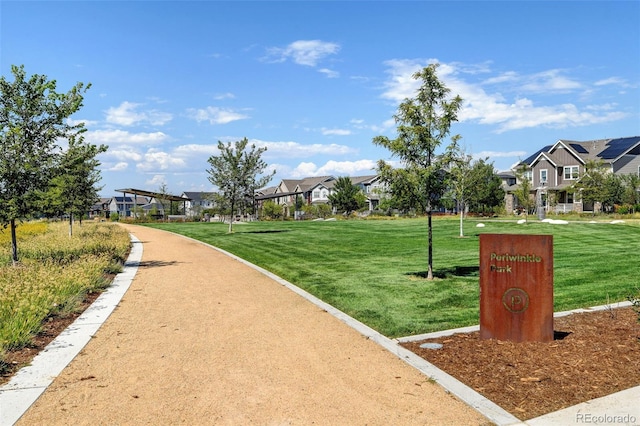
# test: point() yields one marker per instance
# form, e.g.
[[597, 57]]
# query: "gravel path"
[[201, 338]]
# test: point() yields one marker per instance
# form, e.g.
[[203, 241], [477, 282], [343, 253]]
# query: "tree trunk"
[[231, 219], [461, 217], [14, 243], [430, 238], [70, 224]]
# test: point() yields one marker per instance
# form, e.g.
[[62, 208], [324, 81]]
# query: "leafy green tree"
[[235, 171], [74, 189], [346, 197], [163, 199], [486, 192], [523, 192], [591, 184], [33, 117], [459, 178], [272, 210], [631, 189], [424, 122], [614, 191]]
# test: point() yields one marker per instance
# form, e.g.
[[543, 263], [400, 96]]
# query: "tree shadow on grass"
[[267, 231], [454, 271]]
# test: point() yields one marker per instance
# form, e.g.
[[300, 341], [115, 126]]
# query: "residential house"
[[316, 190], [197, 202], [124, 206], [554, 169]]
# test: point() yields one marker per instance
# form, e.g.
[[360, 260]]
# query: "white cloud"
[[222, 96], [303, 52], [549, 81], [196, 150], [336, 132], [160, 160], [111, 137], [215, 115], [156, 181], [124, 154], [118, 167], [295, 149], [329, 73], [334, 168], [499, 154], [493, 108], [128, 114]]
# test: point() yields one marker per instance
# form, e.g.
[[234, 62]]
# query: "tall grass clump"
[[54, 275]]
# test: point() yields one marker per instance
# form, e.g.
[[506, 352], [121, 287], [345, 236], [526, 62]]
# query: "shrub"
[[55, 274]]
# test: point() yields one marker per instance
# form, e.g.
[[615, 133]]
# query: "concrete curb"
[[30, 382], [625, 400]]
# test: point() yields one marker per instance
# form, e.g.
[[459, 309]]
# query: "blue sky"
[[315, 82]]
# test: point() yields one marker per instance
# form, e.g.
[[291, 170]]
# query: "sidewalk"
[[201, 338]]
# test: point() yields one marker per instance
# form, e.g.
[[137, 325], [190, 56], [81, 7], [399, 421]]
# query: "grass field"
[[373, 269]]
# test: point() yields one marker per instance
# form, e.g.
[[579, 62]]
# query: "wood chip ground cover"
[[594, 354]]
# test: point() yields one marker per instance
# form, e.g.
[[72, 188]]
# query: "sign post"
[[516, 287]]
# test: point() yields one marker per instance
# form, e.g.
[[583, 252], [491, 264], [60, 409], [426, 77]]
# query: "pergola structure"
[[156, 195]]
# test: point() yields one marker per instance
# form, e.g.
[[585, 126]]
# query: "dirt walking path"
[[202, 339]]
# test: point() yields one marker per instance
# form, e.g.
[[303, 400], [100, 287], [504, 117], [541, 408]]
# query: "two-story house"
[[197, 202], [554, 169]]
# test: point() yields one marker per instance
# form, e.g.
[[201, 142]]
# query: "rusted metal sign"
[[516, 287]]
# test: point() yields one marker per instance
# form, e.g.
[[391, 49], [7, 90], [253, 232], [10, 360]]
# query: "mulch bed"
[[594, 354]]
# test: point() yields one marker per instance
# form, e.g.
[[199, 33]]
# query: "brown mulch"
[[15, 359], [594, 354]]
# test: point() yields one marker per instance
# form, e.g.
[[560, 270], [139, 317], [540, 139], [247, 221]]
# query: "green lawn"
[[373, 269]]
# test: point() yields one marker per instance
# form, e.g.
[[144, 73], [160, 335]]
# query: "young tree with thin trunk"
[[523, 192], [235, 171], [73, 189], [33, 118], [424, 122], [460, 178]]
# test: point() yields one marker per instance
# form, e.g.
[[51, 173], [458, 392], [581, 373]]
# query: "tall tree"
[[346, 197], [523, 192], [486, 187], [235, 171], [74, 189], [459, 179], [423, 124], [33, 117]]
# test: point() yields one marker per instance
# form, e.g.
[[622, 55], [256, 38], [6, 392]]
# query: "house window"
[[324, 194], [571, 172], [543, 176], [569, 197], [316, 194], [528, 175]]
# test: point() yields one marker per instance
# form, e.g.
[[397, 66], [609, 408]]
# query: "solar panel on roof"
[[530, 159], [579, 148], [617, 147]]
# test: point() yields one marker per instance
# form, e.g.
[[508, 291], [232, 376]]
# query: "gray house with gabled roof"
[[554, 169]]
